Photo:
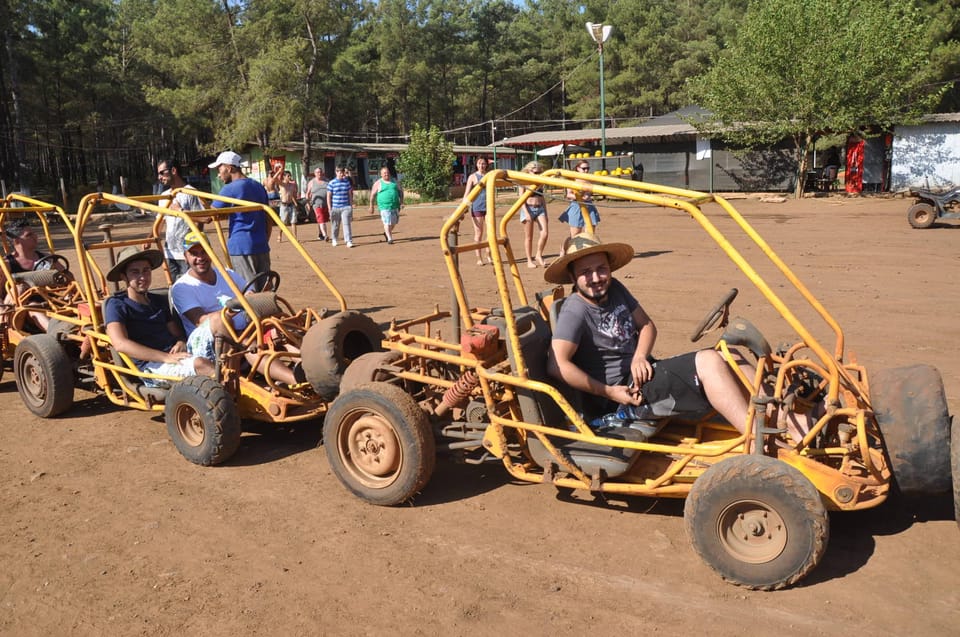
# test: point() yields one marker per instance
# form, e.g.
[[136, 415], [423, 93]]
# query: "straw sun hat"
[[133, 253], [581, 245]]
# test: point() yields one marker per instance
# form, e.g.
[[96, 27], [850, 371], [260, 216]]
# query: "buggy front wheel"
[[202, 420], [44, 374], [379, 443], [757, 521]]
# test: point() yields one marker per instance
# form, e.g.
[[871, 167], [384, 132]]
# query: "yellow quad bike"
[[758, 518], [204, 415], [28, 298]]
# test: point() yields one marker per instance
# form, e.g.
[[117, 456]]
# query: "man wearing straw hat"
[[603, 340], [140, 324]]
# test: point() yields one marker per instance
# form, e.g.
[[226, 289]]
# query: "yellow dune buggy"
[[758, 518], [204, 415], [28, 297]]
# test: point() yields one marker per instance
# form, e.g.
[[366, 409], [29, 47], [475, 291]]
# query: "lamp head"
[[599, 32]]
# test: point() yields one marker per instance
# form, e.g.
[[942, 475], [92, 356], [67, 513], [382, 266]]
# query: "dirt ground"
[[107, 530]]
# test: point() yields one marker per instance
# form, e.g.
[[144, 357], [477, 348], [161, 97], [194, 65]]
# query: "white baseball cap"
[[229, 158]]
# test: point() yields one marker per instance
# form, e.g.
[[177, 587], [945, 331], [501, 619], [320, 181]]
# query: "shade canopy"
[[558, 149]]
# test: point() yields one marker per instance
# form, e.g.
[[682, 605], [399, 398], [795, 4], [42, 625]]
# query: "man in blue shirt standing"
[[249, 240], [340, 205]]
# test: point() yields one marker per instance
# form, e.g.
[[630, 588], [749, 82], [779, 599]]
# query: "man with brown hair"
[[603, 341], [140, 324]]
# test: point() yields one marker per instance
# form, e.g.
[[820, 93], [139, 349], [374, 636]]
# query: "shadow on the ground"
[[454, 480], [268, 442], [852, 534]]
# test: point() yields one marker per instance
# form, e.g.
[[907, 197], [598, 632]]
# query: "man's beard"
[[598, 297]]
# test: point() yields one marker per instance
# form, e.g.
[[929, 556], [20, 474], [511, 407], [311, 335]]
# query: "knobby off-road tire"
[[911, 409], [921, 215], [756, 521], [44, 374], [379, 443], [202, 420], [955, 468], [332, 344], [366, 369]]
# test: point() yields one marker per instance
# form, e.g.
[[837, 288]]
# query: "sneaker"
[[333, 242], [349, 244], [390, 241], [298, 374]]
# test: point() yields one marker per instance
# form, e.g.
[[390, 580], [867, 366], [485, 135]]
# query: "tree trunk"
[[803, 145]]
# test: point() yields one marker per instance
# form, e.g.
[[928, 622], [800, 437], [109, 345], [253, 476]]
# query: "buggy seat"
[[540, 409]]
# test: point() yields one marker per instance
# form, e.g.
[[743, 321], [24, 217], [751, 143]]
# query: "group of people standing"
[[332, 204], [533, 212]]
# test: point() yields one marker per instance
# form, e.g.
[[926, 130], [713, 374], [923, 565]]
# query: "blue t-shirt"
[[339, 190], [248, 230], [146, 324]]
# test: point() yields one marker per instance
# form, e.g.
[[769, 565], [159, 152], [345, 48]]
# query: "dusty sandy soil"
[[107, 530]]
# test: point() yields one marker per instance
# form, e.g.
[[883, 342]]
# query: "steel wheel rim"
[[370, 449], [752, 532], [189, 425], [33, 380]]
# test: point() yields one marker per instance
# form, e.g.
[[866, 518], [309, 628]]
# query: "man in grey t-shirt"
[[603, 340]]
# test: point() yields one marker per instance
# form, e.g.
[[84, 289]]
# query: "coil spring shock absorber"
[[459, 393]]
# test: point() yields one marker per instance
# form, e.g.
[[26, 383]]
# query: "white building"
[[927, 155]]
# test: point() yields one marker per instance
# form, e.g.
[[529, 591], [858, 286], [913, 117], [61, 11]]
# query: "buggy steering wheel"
[[715, 316], [270, 279], [51, 259]]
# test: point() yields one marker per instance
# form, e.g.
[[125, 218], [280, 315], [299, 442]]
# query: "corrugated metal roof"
[[662, 128], [347, 147], [942, 117], [669, 126], [592, 135]]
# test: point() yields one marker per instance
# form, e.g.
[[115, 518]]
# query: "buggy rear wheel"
[[202, 420], [332, 344], [44, 375], [757, 521], [379, 443], [921, 215], [911, 409], [366, 369], [955, 470]]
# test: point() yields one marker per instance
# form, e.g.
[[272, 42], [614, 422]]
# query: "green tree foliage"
[[427, 163], [799, 68], [944, 33], [92, 89]]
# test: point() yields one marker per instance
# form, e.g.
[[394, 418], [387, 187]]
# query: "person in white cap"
[[249, 240], [603, 340], [200, 295]]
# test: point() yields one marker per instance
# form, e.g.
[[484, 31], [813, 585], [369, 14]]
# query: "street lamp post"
[[600, 33]]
